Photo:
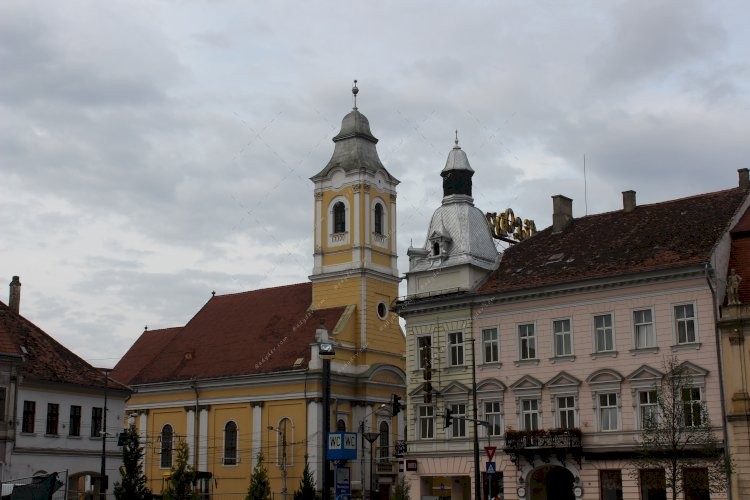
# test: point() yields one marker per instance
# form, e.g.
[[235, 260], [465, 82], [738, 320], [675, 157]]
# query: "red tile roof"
[[253, 332], [45, 359], [659, 236]]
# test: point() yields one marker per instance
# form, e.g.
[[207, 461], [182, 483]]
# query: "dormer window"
[[339, 218], [436, 249], [378, 218]]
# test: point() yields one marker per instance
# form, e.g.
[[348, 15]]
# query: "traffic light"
[[427, 389], [448, 417], [396, 405]]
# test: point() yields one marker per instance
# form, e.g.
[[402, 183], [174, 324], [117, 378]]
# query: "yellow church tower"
[[355, 237]]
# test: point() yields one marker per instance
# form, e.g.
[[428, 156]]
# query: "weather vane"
[[355, 91]]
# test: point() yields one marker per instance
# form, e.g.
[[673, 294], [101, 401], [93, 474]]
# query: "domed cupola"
[[354, 144], [457, 173]]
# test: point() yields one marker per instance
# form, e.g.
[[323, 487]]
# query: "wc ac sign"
[[342, 445]]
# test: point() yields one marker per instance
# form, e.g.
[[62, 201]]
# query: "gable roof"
[[660, 236], [42, 358], [259, 331]]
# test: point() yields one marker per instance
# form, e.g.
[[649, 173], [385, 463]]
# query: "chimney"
[[14, 300], [744, 178], [562, 212], [628, 201]]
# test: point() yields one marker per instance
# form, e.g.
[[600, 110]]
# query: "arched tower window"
[[340, 425], [167, 435], [230, 443], [378, 218], [339, 217], [384, 442]]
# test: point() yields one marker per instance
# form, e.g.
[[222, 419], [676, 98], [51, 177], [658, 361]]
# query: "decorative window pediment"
[[563, 381]]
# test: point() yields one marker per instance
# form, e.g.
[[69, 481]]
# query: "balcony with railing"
[[544, 443]]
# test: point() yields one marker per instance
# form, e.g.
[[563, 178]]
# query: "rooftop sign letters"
[[507, 227]]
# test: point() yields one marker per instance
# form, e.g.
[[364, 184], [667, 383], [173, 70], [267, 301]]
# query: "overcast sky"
[[154, 151]]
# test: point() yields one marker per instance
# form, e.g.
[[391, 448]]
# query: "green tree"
[[678, 438], [260, 486], [181, 477], [306, 485], [401, 490], [133, 484]]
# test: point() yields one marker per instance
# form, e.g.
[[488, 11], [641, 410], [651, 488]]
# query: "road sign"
[[343, 484], [490, 451], [490, 468], [342, 445]]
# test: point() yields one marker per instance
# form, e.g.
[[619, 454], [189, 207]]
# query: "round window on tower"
[[382, 310]]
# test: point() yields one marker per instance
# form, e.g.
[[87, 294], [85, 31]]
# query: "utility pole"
[[104, 480]]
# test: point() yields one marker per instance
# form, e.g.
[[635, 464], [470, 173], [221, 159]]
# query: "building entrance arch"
[[551, 482]]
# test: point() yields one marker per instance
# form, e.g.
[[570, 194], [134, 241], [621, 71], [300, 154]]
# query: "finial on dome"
[[456, 138], [355, 91]]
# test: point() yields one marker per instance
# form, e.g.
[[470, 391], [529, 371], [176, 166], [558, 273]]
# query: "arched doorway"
[[551, 482]]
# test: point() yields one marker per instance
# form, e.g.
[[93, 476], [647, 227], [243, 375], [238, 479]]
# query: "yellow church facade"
[[244, 376]]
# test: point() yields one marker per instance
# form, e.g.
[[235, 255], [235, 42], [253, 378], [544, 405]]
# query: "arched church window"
[[339, 217], [167, 435], [378, 218], [384, 443], [340, 425], [230, 443]]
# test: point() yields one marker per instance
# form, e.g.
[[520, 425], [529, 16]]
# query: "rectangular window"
[[493, 417], [530, 414], [692, 406], [3, 393], [459, 420], [566, 412], [604, 337], [643, 325], [29, 413], [563, 337], [608, 412], [695, 483], [424, 352], [426, 422], [647, 408], [456, 344], [610, 484], [684, 317], [490, 346], [653, 484], [96, 422], [53, 417], [74, 429], [527, 340]]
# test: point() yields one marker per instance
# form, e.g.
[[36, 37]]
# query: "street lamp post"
[[326, 353], [371, 437], [283, 465], [103, 481]]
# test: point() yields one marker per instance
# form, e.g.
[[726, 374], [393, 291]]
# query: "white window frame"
[[338, 239], [610, 408], [491, 345], [420, 365], [527, 341], [383, 235], [235, 460], [562, 335], [493, 415], [162, 456], [607, 330], [456, 355], [570, 411], [700, 403], [426, 422], [534, 412], [678, 321], [644, 330], [458, 424], [649, 407]]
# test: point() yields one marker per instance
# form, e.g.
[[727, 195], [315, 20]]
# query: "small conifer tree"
[[133, 484], [181, 477], [260, 486], [306, 485]]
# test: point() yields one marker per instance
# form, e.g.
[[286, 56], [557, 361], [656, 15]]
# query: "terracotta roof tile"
[[45, 359], [670, 234], [253, 332]]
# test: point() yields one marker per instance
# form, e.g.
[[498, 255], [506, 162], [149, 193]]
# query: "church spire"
[[457, 173]]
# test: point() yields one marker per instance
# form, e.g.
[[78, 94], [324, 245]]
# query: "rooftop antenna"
[[585, 190], [355, 91]]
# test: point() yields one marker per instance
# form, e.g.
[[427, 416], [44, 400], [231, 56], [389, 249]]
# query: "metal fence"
[[36, 487]]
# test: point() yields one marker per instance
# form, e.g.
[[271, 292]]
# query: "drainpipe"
[[725, 431], [194, 386]]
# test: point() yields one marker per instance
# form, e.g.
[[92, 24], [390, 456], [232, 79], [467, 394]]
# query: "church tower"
[[355, 236]]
